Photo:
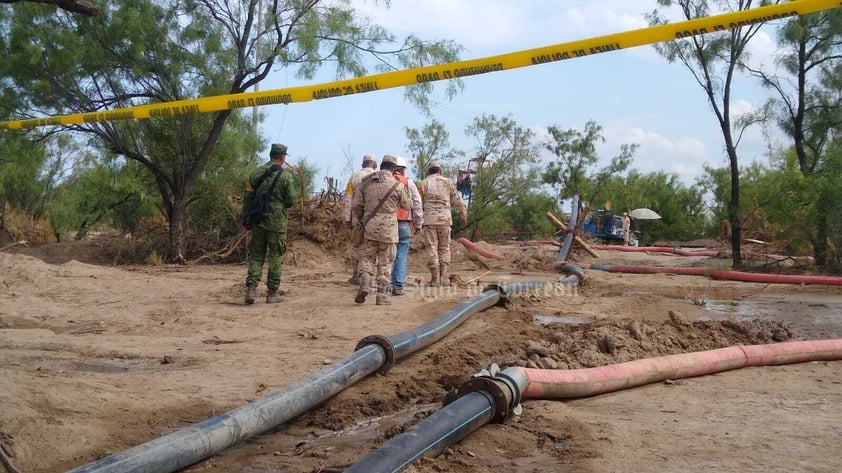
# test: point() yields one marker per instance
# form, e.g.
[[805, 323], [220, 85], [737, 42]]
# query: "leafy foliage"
[[574, 170], [151, 51], [505, 155], [713, 60], [432, 142]]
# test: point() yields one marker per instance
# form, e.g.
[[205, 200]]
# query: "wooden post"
[[558, 223]]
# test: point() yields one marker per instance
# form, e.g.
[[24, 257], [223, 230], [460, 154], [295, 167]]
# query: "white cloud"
[[762, 49], [474, 24], [504, 25], [741, 107], [683, 155]]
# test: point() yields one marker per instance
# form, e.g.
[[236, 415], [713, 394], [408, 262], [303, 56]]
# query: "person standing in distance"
[[626, 228], [407, 220], [375, 205], [439, 195], [369, 166], [269, 237]]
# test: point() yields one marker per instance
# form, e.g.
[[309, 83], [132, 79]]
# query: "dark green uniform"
[[269, 236]]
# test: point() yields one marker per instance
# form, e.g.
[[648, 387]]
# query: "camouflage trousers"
[[266, 244], [354, 253], [376, 259], [437, 242]]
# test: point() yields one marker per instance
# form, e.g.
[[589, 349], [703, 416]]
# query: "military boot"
[[251, 293], [434, 276], [444, 278], [365, 282], [355, 279], [273, 297], [383, 297]]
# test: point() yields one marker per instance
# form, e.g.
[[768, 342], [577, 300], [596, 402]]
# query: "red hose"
[[480, 251], [634, 249], [727, 275], [536, 243], [776, 278], [636, 269], [656, 249], [561, 384], [682, 252]]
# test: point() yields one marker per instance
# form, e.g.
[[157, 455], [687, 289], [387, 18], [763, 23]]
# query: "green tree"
[[527, 215], [101, 190], [76, 6], [808, 105], [21, 158], [506, 158], [574, 171], [431, 142], [149, 51], [713, 60], [31, 167]]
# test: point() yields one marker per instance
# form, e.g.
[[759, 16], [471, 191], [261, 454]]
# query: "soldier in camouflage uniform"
[[369, 166], [269, 236], [381, 228], [439, 195]]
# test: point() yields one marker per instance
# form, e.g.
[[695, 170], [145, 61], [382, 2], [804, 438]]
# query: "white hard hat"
[[401, 162]]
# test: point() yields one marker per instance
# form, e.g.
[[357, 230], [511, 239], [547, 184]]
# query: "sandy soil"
[[95, 359]]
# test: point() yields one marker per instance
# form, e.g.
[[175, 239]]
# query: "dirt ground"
[[95, 359]]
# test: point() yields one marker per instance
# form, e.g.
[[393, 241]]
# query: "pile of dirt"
[[320, 221]]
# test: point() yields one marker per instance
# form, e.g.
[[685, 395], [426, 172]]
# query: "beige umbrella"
[[644, 214]]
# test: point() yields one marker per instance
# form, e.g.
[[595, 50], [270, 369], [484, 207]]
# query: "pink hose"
[[480, 251], [561, 384]]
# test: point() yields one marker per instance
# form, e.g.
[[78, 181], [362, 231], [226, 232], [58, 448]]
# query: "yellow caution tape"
[[418, 75]]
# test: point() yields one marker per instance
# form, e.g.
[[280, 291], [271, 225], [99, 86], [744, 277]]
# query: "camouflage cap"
[[434, 164], [369, 158], [278, 149], [388, 158]]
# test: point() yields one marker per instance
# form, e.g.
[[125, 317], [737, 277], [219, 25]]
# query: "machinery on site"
[[606, 227]]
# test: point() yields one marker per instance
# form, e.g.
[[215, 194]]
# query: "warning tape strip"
[[418, 75]]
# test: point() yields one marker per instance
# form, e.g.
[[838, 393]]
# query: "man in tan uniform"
[[439, 195], [626, 228], [369, 166], [375, 203]]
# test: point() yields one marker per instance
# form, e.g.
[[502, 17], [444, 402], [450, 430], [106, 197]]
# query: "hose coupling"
[[387, 346], [571, 269], [500, 388]]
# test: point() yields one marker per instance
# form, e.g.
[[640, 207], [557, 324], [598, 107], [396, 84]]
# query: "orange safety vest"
[[403, 214]]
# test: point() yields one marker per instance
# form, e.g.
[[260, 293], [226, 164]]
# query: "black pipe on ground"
[[482, 400], [431, 436], [189, 445]]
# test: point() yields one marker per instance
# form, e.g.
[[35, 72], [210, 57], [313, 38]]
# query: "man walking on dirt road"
[[407, 220], [375, 206], [369, 166], [268, 183], [439, 195]]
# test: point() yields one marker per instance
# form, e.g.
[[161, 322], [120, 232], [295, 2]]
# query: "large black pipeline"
[[482, 400], [431, 436], [195, 443]]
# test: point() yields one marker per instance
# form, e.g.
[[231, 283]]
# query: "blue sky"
[[636, 96]]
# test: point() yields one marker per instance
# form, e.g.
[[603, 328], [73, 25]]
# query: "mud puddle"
[[816, 315]]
